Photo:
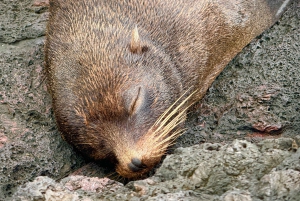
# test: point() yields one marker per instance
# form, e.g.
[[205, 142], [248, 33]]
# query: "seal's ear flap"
[[135, 43]]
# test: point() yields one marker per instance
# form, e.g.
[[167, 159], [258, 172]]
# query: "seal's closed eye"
[[136, 102]]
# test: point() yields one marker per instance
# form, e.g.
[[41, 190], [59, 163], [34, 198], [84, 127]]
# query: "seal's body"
[[123, 73]]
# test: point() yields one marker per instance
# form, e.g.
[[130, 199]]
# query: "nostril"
[[133, 168], [137, 162], [136, 165]]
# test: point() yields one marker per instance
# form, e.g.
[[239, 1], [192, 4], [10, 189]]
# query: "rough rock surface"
[[30, 144], [238, 171], [258, 93], [255, 97]]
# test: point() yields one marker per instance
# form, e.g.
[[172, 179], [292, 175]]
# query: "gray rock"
[[238, 171], [21, 20], [279, 185], [70, 188], [30, 144], [236, 195], [36, 189]]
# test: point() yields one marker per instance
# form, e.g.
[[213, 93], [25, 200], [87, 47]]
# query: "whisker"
[[164, 114], [167, 131], [164, 133], [173, 112], [171, 138], [161, 135], [163, 120], [85, 143], [110, 175], [115, 176], [173, 123]]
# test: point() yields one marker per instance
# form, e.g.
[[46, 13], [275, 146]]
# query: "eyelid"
[[137, 101]]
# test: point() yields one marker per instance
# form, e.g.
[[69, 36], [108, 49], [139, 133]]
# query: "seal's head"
[[124, 112]]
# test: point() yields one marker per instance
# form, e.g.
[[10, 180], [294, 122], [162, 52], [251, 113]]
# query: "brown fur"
[[122, 98]]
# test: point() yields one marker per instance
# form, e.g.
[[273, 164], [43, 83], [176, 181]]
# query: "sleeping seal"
[[122, 74]]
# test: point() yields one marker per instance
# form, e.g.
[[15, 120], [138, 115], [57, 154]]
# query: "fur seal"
[[122, 74]]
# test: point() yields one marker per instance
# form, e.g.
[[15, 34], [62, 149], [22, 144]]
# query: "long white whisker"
[[175, 110], [164, 114], [163, 132], [171, 137]]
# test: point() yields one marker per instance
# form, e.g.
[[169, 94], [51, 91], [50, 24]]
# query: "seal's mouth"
[[148, 150]]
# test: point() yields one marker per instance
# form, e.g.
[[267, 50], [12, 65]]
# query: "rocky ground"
[[255, 97], [239, 171]]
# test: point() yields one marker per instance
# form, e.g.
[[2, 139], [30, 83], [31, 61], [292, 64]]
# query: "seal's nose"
[[136, 165]]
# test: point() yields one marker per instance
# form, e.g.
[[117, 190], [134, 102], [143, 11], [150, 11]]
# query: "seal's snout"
[[136, 165]]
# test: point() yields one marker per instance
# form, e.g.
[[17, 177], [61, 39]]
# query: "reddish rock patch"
[[3, 140]]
